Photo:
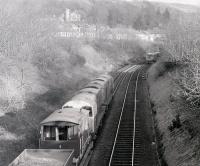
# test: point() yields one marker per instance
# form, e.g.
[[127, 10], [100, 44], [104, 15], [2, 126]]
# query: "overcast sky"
[[191, 2]]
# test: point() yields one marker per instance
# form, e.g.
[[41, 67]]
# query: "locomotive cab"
[[66, 129], [59, 131]]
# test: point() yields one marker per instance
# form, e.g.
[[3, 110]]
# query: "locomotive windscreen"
[[59, 133]]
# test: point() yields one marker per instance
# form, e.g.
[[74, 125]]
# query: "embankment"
[[176, 120]]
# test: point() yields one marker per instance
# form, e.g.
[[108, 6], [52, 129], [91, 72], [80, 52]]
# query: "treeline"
[[140, 16], [183, 43], [137, 15]]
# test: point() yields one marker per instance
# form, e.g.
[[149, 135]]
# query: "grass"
[[180, 146]]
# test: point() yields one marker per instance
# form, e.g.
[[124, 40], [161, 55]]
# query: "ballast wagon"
[[44, 157]]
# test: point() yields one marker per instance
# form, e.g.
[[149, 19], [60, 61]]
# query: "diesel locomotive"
[[73, 128]]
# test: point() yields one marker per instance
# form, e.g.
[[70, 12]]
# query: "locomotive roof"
[[104, 77], [86, 99], [65, 115], [98, 83], [93, 86], [85, 96], [90, 90], [76, 104]]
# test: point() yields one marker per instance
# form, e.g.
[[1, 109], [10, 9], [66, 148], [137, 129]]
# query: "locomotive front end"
[[66, 129]]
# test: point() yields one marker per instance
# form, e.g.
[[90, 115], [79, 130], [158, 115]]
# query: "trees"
[[21, 30], [166, 16], [183, 42]]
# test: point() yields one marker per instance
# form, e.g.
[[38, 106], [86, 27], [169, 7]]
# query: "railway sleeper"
[[126, 132], [124, 139], [120, 156], [123, 148], [117, 162]]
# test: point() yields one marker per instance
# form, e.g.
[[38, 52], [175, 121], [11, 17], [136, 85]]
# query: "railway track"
[[119, 77], [126, 136], [123, 150], [104, 143], [134, 144], [117, 73]]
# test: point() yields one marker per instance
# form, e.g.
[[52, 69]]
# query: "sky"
[[190, 2]]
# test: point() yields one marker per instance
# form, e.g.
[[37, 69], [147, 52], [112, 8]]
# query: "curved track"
[[123, 147], [120, 78], [103, 146], [126, 137]]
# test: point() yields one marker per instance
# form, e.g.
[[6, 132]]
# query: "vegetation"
[[40, 71], [176, 121], [34, 61], [183, 44], [174, 90]]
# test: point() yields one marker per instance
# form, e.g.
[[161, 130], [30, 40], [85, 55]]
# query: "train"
[[74, 126], [152, 57]]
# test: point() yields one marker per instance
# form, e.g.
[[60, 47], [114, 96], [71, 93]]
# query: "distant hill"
[[185, 8]]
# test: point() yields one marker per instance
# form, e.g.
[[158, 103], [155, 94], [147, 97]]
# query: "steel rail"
[[120, 72], [115, 90], [119, 122], [120, 81], [135, 111]]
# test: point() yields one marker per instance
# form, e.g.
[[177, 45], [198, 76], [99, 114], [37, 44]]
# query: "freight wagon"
[[44, 157]]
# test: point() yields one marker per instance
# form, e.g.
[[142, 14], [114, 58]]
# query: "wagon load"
[[44, 157]]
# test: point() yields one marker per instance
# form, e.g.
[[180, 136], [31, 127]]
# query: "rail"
[[124, 136]]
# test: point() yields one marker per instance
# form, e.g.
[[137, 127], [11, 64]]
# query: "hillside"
[[49, 49], [174, 88], [176, 120]]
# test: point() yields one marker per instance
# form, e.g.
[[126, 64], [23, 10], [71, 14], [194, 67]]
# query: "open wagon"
[[44, 157]]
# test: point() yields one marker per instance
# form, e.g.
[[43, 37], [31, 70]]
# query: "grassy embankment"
[[175, 119]]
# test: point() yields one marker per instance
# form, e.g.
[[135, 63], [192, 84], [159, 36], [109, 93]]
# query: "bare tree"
[[183, 42]]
